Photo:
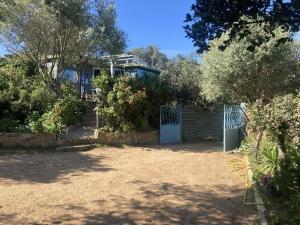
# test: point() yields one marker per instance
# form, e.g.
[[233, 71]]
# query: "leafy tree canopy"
[[63, 31], [210, 18], [107, 37], [183, 74], [152, 56], [239, 75]]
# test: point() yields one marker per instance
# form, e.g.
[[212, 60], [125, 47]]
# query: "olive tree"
[[28, 30], [152, 56], [60, 33], [106, 37], [239, 73], [183, 75]]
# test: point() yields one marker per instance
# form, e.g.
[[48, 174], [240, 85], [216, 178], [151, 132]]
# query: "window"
[[70, 75], [96, 72]]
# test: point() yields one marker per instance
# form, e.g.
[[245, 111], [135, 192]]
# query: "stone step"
[[75, 147], [86, 122], [72, 142]]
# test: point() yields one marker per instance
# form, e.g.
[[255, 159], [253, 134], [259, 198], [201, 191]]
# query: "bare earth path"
[[176, 184]]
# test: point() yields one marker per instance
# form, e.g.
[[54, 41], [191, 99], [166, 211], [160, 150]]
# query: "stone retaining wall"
[[47, 140], [132, 138], [27, 139]]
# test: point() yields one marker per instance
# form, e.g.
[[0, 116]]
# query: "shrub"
[[104, 83], [70, 110], [279, 119], [8, 125], [67, 110], [52, 122], [158, 92], [64, 113], [288, 177], [34, 122], [127, 103], [23, 92], [123, 108]]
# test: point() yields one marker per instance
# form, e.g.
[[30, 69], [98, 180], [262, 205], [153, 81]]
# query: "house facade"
[[125, 65]]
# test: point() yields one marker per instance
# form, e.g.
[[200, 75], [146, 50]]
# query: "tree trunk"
[[257, 142]]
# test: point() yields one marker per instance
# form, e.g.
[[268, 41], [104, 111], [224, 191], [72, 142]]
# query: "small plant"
[[246, 146], [269, 158]]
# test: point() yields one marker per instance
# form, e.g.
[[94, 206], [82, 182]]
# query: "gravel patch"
[[172, 184]]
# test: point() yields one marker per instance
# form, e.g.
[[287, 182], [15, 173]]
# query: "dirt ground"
[[173, 184]]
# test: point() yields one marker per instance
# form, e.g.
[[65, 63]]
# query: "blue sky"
[[2, 50], [157, 22]]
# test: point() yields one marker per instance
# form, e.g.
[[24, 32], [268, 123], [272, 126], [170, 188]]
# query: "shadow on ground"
[[48, 167], [168, 204], [198, 147]]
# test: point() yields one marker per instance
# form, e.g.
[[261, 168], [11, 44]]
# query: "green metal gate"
[[170, 124], [234, 126]]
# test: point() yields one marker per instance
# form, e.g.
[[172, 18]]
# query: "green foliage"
[[64, 31], [70, 106], [246, 145], [34, 122], [288, 177], [28, 30], [280, 117], [52, 122], [67, 110], [152, 56], [123, 108], [237, 74], [26, 102], [9, 125], [127, 103], [158, 92], [64, 113], [70, 110], [269, 158], [106, 36], [20, 92], [285, 177], [183, 76], [104, 83], [283, 113], [41, 97], [209, 19]]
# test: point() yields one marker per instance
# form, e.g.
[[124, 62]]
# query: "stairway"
[[82, 133]]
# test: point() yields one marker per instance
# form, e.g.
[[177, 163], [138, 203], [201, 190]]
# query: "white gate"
[[170, 124]]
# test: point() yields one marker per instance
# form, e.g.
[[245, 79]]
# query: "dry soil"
[[172, 184]]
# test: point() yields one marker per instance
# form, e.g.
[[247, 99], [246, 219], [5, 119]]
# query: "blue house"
[[125, 65]]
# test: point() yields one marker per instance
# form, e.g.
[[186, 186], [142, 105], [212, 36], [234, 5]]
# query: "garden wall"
[[27, 139], [133, 138], [202, 124]]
